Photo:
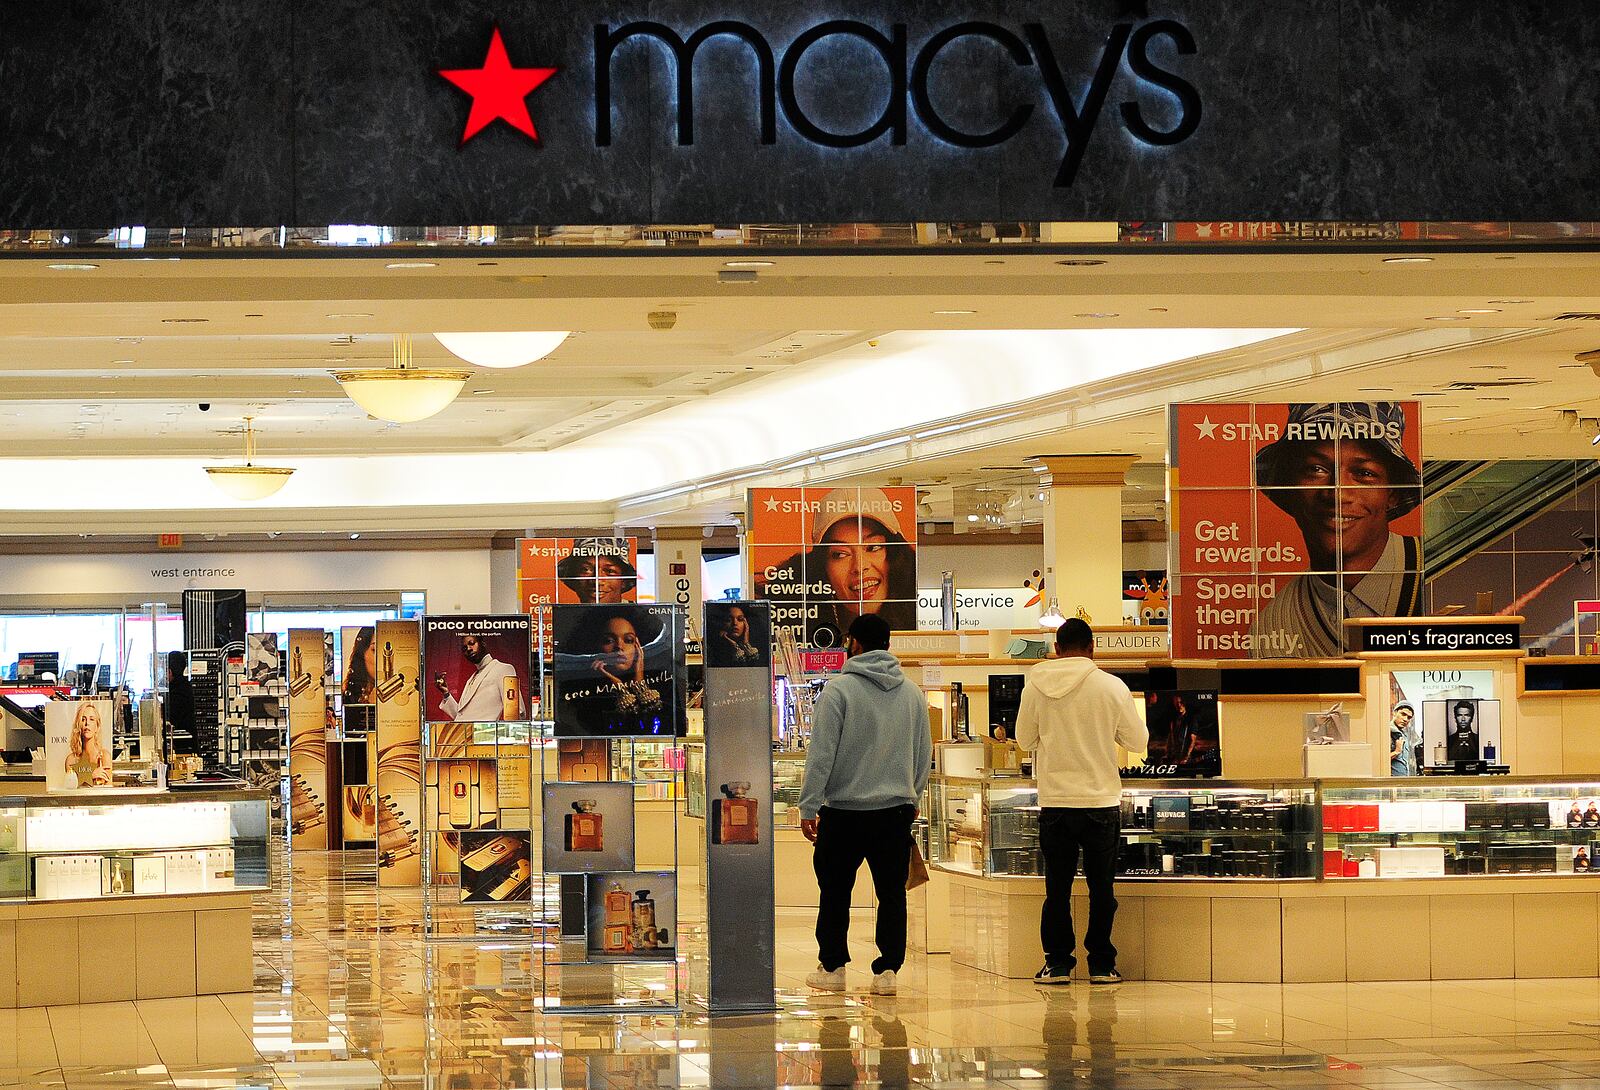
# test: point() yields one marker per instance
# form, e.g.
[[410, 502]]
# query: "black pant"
[[1065, 833], [844, 839]]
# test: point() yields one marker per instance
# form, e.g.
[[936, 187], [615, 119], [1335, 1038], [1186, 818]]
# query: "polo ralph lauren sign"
[[306, 112]]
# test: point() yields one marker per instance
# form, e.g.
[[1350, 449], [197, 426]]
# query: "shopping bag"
[[917, 873]]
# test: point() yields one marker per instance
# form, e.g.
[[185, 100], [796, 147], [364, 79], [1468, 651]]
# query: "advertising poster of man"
[[579, 570], [1461, 731], [476, 668], [823, 557], [1184, 736], [619, 671], [1287, 520]]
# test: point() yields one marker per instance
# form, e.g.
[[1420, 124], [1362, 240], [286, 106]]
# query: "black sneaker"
[[1053, 975], [1110, 976]]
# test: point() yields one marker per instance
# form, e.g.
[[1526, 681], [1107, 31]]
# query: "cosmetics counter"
[[1296, 880], [121, 894]]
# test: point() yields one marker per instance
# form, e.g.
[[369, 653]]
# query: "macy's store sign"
[[902, 75]]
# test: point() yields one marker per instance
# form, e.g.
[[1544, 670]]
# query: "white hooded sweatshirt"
[[1072, 719]]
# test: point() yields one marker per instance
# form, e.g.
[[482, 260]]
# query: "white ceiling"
[[102, 372]]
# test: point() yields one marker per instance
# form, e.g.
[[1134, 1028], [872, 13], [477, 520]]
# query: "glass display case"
[[654, 766], [694, 778], [1459, 826], [132, 843], [788, 777], [1174, 829]]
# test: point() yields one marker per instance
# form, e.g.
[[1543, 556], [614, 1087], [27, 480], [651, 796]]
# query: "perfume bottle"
[[735, 817], [617, 934], [510, 700], [1438, 753], [1488, 752], [460, 798], [585, 827], [388, 660], [118, 885], [644, 919]]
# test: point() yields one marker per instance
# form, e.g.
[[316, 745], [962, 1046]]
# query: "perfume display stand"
[[610, 933], [740, 891], [477, 821]]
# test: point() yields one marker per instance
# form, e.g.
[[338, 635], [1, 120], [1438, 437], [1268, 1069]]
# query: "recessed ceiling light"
[[184, 321], [1406, 260], [1097, 314], [412, 265], [355, 537], [121, 362], [953, 312], [748, 264], [350, 314], [1510, 302], [1479, 310], [1081, 262], [1445, 318], [480, 393], [72, 266]]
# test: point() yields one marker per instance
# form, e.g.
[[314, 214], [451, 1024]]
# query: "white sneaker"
[[824, 981], [885, 983]]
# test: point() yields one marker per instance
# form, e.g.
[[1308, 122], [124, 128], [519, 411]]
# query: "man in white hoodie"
[[1073, 718]]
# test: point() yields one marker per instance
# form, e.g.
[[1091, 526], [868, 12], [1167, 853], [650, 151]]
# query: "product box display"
[[134, 843]]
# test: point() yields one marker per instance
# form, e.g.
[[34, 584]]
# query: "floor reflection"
[[348, 994]]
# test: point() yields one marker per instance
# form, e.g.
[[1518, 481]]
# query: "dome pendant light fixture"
[[402, 393], [249, 481], [503, 349]]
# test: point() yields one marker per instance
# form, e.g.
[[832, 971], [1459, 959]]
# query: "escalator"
[[1471, 504]]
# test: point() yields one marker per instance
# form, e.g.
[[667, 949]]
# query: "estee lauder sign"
[[900, 76]]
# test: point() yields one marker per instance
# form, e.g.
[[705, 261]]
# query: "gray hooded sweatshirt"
[[871, 748]]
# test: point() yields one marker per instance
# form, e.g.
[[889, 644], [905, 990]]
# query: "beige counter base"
[[57, 952], [1298, 932]]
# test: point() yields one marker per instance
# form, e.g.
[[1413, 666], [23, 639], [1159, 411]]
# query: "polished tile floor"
[[349, 995]]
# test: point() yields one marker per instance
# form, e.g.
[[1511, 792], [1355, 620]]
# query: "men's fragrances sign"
[[739, 849], [1286, 520]]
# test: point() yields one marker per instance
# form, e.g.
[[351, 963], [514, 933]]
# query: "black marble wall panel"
[[181, 112]]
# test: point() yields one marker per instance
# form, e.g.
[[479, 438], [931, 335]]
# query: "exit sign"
[[170, 541]]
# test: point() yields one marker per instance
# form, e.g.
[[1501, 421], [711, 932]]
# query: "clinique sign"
[[903, 78]]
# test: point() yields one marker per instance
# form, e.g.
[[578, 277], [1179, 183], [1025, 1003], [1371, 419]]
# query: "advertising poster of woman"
[[77, 742], [823, 557], [619, 671]]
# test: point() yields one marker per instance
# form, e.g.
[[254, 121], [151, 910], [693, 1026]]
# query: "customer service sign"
[[1287, 519]]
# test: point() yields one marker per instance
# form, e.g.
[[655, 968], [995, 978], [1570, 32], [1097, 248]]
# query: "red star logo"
[[498, 91]]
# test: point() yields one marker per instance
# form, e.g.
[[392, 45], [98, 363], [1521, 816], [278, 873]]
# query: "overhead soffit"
[[272, 329]]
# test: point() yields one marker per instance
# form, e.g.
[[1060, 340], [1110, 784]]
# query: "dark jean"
[[1067, 834], [846, 838]]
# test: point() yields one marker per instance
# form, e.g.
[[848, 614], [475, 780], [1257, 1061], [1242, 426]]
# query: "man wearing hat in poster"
[[858, 563], [1342, 473], [482, 698]]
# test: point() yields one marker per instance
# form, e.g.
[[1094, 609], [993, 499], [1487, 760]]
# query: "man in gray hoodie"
[[1073, 717], [870, 755]]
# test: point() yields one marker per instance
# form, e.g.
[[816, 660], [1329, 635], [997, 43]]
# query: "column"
[[678, 571], [1083, 533]]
